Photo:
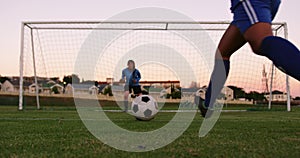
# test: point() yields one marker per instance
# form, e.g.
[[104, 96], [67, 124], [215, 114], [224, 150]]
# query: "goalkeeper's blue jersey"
[[129, 76]]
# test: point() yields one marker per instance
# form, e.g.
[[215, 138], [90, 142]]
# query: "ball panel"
[[148, 113], [145, 99], [135, 108]]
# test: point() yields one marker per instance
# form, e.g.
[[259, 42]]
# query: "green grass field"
[[58, 132]]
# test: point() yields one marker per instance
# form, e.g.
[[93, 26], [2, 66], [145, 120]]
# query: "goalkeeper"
[[131, 76]]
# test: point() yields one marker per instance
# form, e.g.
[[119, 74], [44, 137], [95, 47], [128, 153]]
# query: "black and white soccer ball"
[[144, 107]]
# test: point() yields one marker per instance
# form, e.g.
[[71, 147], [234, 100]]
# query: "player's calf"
[[283, 53]]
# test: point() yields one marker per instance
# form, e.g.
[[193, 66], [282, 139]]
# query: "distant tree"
[[67, 80], [256, 96], [297, 98], [277, 92], [172, 88], [108, 91], [238, 92], [3, 79], [174, 95], [55, 90], [56, 79], [71, 79]]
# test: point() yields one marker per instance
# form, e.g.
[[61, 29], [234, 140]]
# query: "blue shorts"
[[249, 12]]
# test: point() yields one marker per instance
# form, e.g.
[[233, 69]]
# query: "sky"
[[13, 12]]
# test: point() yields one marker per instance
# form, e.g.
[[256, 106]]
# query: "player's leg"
[[283, 53], [258, 32], [126, 94], [230, 42]]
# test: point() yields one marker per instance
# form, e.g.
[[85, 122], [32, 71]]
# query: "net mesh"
[[155, 47]]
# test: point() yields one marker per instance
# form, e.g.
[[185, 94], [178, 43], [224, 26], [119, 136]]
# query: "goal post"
[[287, 77], [21, 68], [49, 50]]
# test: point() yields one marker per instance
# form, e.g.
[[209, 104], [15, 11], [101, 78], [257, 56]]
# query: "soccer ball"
[[144, 108]]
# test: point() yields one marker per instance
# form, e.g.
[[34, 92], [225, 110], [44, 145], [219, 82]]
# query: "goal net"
[[57, 55]]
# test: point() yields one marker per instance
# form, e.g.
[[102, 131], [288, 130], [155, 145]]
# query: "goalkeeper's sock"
[[284, 55], [217, 81]]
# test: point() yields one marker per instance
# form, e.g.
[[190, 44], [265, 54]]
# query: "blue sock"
[[217, 81], [284, 55]]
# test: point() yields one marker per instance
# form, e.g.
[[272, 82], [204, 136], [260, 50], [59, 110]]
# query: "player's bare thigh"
[[256, 34], [231, 41]]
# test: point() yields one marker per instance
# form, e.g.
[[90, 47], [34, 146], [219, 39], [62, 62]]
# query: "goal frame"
[[281, 25]]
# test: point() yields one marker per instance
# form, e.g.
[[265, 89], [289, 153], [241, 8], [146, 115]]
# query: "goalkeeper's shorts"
[[249, 12], [135, 89]]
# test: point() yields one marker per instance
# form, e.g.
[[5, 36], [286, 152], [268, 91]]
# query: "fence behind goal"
[[49, 51]]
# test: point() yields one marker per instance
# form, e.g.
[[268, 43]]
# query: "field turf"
[[59, 132]]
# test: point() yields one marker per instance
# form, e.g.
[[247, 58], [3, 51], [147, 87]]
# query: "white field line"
[[35, 119], [173, 111], [116, 111]]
